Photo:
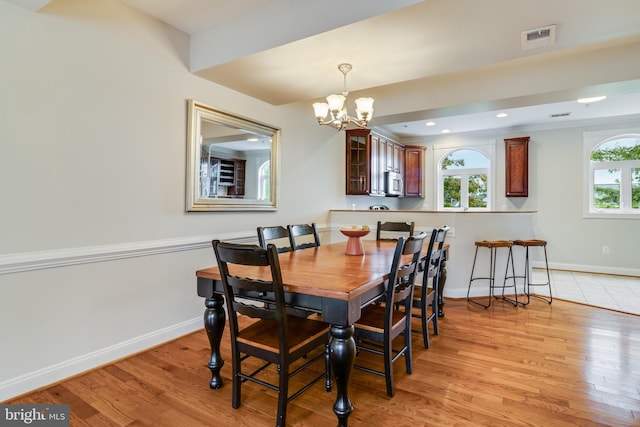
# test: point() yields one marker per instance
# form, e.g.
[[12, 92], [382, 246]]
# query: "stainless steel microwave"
[[393, 185]]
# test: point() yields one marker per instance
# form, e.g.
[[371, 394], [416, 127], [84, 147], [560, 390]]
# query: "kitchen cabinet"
[[517, 167], [398, 158], [227, 177], [238, 178], [377, 166], [394, 157], [358, 162], [369, 155], [413, 171]]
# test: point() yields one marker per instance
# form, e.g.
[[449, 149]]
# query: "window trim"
[[263, 179], [486, 147], [590, 141]]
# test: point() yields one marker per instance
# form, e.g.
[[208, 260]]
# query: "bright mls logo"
[[34, 415]]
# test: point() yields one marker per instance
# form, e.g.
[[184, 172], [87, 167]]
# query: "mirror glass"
[[232, 162]]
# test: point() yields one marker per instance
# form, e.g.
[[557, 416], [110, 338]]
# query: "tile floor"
[[620, 293]]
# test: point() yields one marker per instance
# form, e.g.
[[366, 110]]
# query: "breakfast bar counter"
[[466, 227]]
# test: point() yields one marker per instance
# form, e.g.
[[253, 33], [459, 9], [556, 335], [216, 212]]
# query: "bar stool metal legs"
[[526, 277], [493, 246]]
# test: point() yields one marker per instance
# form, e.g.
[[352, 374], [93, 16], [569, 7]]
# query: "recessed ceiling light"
[[501, 115], [252, 139], [430, 124], [445, 131], [592, 99]]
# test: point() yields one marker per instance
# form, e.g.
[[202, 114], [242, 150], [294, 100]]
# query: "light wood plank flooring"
[[560, 365]]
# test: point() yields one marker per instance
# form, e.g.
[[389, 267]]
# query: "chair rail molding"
[[65, 257], [27, 261]]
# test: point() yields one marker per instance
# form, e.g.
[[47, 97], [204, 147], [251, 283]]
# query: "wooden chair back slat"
[[402, 275], [303, 236], [392, 230], [278, 235]]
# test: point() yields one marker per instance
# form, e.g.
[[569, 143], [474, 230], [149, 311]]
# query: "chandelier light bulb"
[[364, 108], [321, 110], [336, 102]]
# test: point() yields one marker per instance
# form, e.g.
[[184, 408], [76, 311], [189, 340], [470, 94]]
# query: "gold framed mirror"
[[232, 162]]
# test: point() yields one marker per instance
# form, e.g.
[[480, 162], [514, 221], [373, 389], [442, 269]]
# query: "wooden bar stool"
[[526, 277], [493, 246]]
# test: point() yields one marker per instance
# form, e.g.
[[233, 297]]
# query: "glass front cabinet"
[[369, 155], [358, 162]]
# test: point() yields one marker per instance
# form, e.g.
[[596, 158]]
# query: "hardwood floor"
[[559, 365]]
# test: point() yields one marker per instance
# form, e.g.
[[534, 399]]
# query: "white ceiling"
[[287, 51]]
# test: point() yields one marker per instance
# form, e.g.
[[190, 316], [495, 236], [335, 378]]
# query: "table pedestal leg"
[[343, 354], [214, 320]]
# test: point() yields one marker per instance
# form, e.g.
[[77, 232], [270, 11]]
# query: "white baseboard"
[[54, 373], [598, 269], [580, 268]]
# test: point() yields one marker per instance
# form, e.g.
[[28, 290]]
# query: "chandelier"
[[336, 108]]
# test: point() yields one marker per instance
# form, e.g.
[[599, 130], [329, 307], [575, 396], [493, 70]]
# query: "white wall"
[[97, 253], [556, 191]]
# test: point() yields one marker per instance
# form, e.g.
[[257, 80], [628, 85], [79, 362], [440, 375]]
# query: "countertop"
[[432, 212]]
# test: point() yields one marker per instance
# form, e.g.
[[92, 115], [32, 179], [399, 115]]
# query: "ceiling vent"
[[540, 37]]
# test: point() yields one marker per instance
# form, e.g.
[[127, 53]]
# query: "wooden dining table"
[[323, 280]]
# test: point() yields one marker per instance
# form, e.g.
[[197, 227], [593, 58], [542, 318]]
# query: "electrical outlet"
[[605, 250]]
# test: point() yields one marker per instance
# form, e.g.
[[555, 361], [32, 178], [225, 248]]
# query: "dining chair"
[[426, 296], [274, 336], [278, 235], [392, 230], [303, 236], [380, 324]]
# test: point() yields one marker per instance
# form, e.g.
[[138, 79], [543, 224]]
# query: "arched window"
[[463, 180], [264, 175], [614, 174]]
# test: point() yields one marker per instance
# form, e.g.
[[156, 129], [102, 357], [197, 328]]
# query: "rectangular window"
[[477, 191], [451, 193], [606, 188]]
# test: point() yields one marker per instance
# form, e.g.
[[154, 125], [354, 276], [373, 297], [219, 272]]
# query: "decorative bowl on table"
[[354, 245], [354, 232]]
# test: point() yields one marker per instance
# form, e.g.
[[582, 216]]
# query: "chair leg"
[[546, 263], [436, 328], [513, 277], [237, 382], [529, 284], [388, 367], [471, 279], [527, 277], [434, 303], [408, 355], [423, 318], [283, 396]]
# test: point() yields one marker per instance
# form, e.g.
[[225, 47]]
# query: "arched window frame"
[[488, 148], [591, 141], [263, 180]]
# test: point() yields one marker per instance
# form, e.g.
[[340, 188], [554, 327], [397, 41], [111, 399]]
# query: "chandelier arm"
[[332, 123], [343, 122], [359, 123]]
